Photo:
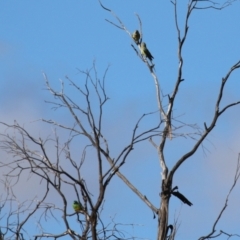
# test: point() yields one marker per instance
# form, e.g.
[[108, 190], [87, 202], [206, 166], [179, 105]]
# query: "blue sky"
[[59, 37]]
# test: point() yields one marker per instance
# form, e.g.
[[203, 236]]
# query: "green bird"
[[77, 206], [145, 52], [136, 36]]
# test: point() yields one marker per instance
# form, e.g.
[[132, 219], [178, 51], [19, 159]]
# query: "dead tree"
[[166, 114], [60, 171]]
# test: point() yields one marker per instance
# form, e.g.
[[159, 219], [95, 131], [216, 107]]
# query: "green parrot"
[[136, 36], [145, 52], [77, 206]]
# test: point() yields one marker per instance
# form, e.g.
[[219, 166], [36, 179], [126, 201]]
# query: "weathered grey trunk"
[[163, 213], [163, 220]]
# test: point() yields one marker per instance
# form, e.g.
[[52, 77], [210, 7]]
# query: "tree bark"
[[163, 213]]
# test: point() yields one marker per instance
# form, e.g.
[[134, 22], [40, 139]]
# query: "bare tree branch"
[[211, 234]]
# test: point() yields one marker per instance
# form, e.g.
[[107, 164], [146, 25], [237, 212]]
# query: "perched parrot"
[[136, 36], [145, 52], [77, 206]]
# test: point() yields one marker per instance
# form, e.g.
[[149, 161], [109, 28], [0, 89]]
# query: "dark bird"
[[180, 196], [171, 229]]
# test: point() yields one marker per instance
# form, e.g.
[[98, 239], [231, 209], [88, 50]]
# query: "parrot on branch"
[[77, 206], [136, 36], [145, 52]]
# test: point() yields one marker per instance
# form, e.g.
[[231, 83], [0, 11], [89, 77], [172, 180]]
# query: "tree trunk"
[[94, 225], [163, 218], [163, 213]]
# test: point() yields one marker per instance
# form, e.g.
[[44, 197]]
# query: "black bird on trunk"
[[180, 196]]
